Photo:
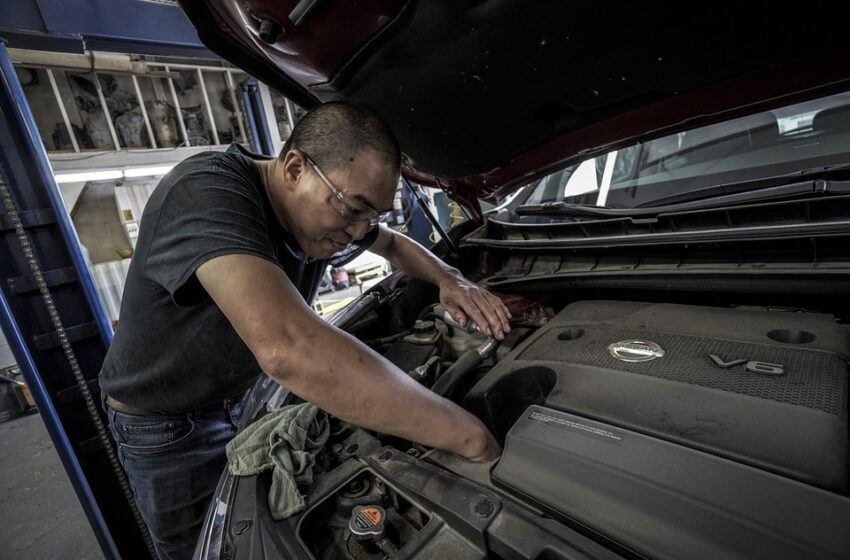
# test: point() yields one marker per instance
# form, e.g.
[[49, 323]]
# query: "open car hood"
[[485, 96]]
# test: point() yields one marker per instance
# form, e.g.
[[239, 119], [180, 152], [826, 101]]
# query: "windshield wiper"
[[818, 186], [727, 192], [562, 208]]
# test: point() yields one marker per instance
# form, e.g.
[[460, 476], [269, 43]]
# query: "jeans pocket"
[[152, 434]]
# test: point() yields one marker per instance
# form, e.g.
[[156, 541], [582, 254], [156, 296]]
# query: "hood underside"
[[487, 95]]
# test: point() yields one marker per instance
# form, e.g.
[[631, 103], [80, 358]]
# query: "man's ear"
[[293, 168]]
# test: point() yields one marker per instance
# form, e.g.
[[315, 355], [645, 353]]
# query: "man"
[[231, 248]]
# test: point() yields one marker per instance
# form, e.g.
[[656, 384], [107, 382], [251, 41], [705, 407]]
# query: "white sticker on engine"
[[583, 429]]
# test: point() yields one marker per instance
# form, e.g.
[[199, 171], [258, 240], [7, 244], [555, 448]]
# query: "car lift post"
[[44, 284], [258, 127]]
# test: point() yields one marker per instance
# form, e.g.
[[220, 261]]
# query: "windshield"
[[778, 142]]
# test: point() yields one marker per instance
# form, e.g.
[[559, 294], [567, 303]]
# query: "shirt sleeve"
[[205, 214]]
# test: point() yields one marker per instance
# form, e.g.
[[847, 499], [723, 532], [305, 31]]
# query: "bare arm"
[[459, 296], [329, 367]]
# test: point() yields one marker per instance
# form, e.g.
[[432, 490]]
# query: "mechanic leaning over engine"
[[230, 251]]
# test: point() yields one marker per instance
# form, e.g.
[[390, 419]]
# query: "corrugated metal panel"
[[131, 201], [109, 278]]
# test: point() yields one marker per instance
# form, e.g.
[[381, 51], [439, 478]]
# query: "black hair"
[[333, 133]]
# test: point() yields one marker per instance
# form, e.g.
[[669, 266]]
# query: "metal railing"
[[169, 95]]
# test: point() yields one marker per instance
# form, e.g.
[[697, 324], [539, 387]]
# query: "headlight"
[[212, 532]]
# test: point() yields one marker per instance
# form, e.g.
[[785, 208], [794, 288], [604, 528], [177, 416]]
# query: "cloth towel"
[[286, 441]]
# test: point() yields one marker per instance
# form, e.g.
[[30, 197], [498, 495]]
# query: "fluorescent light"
[[107, 174], [148, 171], [89, 176]]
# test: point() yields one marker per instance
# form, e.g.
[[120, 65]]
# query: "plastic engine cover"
[[767, 389], [664, 500]]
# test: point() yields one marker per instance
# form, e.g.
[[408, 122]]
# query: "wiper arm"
[[764, 185], [562, 208], [819, 186]]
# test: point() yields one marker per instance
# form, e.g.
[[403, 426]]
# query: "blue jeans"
[[173, 463]]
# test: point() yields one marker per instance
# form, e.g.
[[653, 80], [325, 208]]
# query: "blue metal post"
[[248, 110], [32, 200], [48, 413], [23, 122], [261, 140]]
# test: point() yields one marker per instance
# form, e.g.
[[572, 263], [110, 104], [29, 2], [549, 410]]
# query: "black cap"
[[367, 522]]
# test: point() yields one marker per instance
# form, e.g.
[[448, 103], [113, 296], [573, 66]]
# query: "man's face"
[[317, 216]]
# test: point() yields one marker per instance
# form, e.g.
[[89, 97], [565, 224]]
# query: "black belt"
[[217, 405]]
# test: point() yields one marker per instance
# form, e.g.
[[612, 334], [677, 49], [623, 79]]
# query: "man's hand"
[[465, 300], [484, 448]]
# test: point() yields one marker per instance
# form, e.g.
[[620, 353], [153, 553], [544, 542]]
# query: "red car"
[[672, 237]]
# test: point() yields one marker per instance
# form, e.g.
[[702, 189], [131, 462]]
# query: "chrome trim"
[[212, 533], [635, 350]]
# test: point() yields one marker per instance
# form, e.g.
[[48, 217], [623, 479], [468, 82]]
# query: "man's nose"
[[357, 231]]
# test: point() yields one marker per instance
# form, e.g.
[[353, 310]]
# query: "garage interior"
[[670, 244], [95, 112]]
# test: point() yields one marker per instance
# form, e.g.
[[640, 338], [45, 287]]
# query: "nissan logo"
[[635, 350]]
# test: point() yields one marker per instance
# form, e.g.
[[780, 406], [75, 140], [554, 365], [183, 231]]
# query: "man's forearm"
[[329, 367], [350, 381], [416, 261]]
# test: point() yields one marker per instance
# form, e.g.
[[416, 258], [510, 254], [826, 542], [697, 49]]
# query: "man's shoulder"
[[213, 161], [228, 169], [204, 182]]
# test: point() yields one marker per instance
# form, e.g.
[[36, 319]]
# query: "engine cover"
[[763, 388]]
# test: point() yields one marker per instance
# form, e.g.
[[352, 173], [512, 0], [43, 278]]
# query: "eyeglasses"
[[353, 211]]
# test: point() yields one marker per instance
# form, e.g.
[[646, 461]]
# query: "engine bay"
[[630, 429]]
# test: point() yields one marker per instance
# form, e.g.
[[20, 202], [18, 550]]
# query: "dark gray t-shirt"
[[174, 350]]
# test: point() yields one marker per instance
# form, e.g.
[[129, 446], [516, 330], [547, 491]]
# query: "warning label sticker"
[[372, 514], [580, 428]]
